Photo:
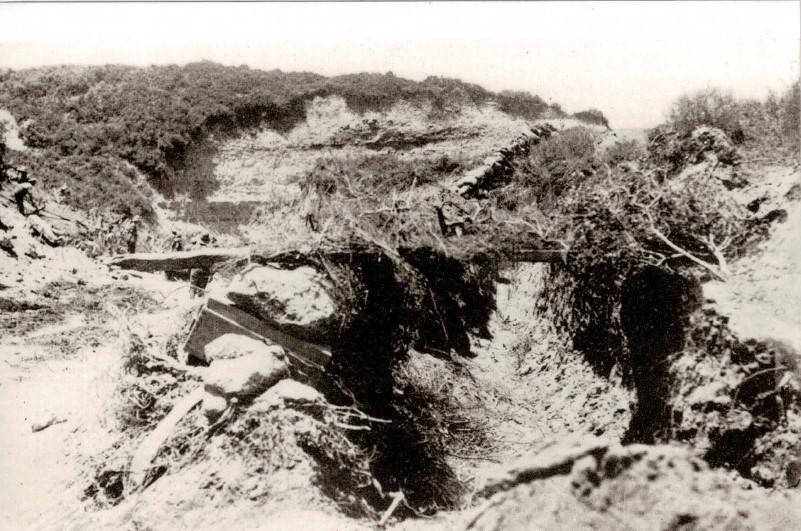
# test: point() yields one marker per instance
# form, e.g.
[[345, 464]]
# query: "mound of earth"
[[595, 484]]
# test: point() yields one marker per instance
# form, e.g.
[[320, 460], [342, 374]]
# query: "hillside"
[[93, 127]]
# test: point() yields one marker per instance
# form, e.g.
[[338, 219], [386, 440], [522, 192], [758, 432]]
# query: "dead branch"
[[178, 260], [712, 269], [717, 251], [397, 498]]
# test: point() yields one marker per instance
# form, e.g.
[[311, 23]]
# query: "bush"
[[150, 116], [380, 173], [592, 116], [707, 107], [623, 151], [551, 168], [790, 114], [769, 124], [523, 104]]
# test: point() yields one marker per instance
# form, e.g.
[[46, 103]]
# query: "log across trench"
[[208, 258]]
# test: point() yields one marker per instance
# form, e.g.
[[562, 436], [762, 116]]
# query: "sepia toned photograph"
[[438, 266]]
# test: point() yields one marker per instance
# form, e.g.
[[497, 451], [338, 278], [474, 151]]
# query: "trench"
[[437, 304], [387, 307]]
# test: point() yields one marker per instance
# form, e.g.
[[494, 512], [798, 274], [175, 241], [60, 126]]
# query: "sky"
[[628, 59]]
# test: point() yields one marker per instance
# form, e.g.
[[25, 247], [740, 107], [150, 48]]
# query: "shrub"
[[524, 104], [707, 107], [150, 116], [790, 115], [624, 150], [592, 116], [378, 173], [769, 124], [551, 168]]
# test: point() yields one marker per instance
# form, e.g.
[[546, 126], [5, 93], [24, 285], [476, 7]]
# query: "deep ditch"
[[695, 383], [425, 301]]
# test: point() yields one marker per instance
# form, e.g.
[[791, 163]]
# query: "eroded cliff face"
[[263, 166]]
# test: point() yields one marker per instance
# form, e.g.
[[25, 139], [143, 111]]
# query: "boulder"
[[287, 392], [231, 346], [248, 376], [296, 301]]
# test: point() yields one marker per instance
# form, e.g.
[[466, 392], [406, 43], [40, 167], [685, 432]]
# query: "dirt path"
[[58, 359]]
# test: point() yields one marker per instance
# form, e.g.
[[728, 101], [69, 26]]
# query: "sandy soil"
[[59, 359], [762, 297]]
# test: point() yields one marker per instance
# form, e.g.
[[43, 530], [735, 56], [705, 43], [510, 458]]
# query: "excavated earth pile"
[[597, 484]]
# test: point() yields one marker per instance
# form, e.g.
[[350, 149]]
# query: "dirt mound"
[[601, 485]]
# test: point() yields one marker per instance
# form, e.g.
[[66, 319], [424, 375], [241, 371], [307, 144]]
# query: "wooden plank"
[[178, 260], [218, 318], [206, 258], [533, 255], [151, 445]]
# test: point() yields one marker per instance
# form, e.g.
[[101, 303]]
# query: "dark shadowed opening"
[[655, 306]]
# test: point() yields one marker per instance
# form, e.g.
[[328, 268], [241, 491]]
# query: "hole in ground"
[[654, 314]]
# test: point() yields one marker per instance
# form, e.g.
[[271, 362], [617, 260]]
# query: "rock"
[[553, 460], [287, 392], [213, 406], [246, 376], [40, 228], [231, 346], [294, 300]]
